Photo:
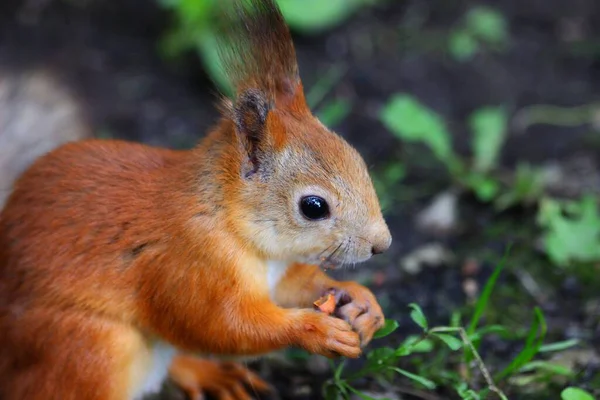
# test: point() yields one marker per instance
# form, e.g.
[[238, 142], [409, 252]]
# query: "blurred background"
[[480, 121]]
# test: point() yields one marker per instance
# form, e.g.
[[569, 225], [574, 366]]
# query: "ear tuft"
[[250, 116], [251, 111], [255, 48]]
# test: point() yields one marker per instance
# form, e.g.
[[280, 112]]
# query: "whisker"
[[333, 253], [326, 249]]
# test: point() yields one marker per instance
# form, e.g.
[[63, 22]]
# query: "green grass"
[[386, 365]]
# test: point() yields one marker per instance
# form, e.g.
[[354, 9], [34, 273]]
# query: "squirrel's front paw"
[[358, 306], [329, 336]]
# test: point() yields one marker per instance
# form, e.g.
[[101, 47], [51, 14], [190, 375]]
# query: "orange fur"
[[109, 247], [222, 380], [303, 284]]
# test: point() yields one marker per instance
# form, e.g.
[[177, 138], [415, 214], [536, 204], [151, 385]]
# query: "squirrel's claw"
[[221, 380], [358, 306]]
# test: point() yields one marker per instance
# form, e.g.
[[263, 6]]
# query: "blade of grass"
[[554, 369], [486, 293], [423, 381], [359, 393], [534, 341], [559, 346]]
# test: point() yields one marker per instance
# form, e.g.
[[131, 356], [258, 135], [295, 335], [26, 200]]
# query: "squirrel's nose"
[[381, 241], [381, 247], [378, 249]]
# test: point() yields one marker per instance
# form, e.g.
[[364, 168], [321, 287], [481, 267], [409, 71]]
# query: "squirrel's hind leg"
[[50, 354], [220, 379]]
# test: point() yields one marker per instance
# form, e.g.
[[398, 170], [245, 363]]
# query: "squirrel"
[[121, 263]]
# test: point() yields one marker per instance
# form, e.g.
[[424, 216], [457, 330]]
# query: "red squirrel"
[[120, 261]]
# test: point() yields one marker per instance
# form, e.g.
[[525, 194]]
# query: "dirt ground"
[[106, 52]]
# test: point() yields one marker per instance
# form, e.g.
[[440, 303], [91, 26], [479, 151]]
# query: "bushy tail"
[[37, 115]]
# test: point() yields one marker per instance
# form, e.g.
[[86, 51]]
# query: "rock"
[[37, 114], [433, 255], [471, 288], [317, 364], [574, 358], [441, 216], [572, 177]]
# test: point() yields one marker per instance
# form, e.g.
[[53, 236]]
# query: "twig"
[[484, 371]]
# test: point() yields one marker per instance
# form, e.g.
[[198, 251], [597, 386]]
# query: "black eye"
[[314, 207]]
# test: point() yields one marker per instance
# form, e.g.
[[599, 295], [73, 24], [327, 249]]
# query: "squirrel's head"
[[302, 193], [305, 193]]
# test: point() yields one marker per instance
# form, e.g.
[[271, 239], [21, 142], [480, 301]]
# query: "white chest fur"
[[160, 358], [275, 271]]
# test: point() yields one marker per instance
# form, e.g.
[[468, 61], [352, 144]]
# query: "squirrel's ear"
[[250, 115]]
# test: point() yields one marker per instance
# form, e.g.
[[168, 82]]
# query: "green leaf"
[[410, 120], [462, 389], [527, 188], [450, 341], [489, 128], [381, 354], [485, 188], [482, 302], [546, 366], [573, 393], [417, 315], [455, 319], [313, 16], [424, 346], [559, 346], [331, 392], [334, 112], [379, 359], [414, 344], [394, 173], [189, 12], [502, 331], [487, 24], [422, 380], [193, 11], [462, 45], [389, 327], [574, 238]]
